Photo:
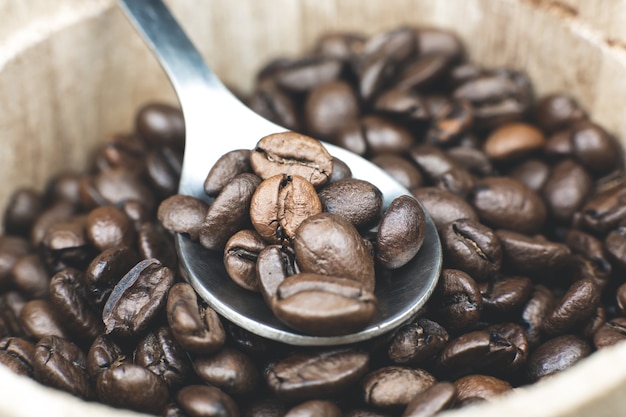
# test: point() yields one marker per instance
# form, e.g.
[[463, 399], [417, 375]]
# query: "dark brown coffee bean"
[[316, 375], [417, 342], [513, 141], [265, 407], [327, 108], [456, 301], [59, 363], [444, 206], [11, 304], [306, 74], [155, 243], [576, 305], [472, 247], [593, 323], [126, 151], [103, 354], [172, 410], [114, 186], [505, 296], [334, 240], [108, 227], [422, 71], [450, 122], [480, 387], [558, 111], [352, 137], [197, 329], [604, 211], [615, 245], [341, 171], [273, 265], [431, 401], [58, 213], [323, 305], [240, 257], [163, 168], [183, 214], [275, 105], [69, 296], [595, 148], [106, 269], [402, 104], [205, 401], [592, 251], [229, 211], [531, 254], [401, 169], [315, 408], [532, 172], [30, 277], [439, 41], [229, 370], [160, 124], [133, 387], [383, 135], [566, 189], [63, 186], [68, 235], [21, 212], [556, 355], [395, 386], [611, 333], [540, 304], [279, 206], [17, 354], [401, 232], [225, 169], [471, 159], [137, 298], [160, 353], [290, 153], [39, 319], [12, 248], [503, 202], [358, 201]]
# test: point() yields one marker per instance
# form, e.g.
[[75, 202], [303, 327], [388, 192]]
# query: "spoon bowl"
[[216, 122]]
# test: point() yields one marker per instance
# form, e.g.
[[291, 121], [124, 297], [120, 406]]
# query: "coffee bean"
[[108, 227], [558, 111], [532, 172], [39, 319], [537, 308], [229, 370], [225, 169], [605, 210], [417, 342], [273, 265], [431, 401], [401, 169], [30, 277], [103, 354], [439, 41], [611, 333], [323, 305], [615, 245], [161, 125], [595, 148], [566, 189], [197, 328], [57, 213], [203, 401], [402, 104], [556, 355], [505, 296], [531, 254], [182, 214], [456, 301], [328, 106], [591, 250], [114, 186], [21, 212], [12, 248], [383, 135], [11, 305], [479, 387], [312, 375], [155, 243], [17, 354], [163, 168], [576, 305], [137, 298], [105, 270], [265, 407], [275, 105], [513, 141], [341, 171], [358, 201], [395, 386], [306, 74], [240, 258], [472, 160], [444, 206], [450, 122], [340, 45], [63, 186], [315, 408]]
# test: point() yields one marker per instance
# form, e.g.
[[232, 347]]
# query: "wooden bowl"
[[74, 71]]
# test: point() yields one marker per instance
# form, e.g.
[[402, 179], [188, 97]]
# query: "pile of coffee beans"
[[306, 251], [528, 195]]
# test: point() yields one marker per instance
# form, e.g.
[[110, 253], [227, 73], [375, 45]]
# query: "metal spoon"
[[216, 122]]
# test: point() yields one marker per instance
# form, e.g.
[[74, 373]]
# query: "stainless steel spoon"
[[216, 122]]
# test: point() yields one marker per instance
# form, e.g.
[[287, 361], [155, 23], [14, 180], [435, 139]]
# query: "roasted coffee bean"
[[472, 247], [323, 305], [106, 269], [593, 323], [615, 245], [204, 401], [456, 301], [395, 386], [65, 236], [306, 74], [126, 151], [531, 254], [229, 370], [183, 214], [341, 171], [513, 141], [595, 148], [312, 375], [431, 401], [11, 304], [58, 213], [225, 169], [604, 211], [556, 355], [402, 104], [450, 122], [292, 154], [275, 105], [197, 328], [30, 277], [61, 364], [114, 186], [17, 354], [532, 172], [155, 243], [540, 304], [69, 296], [137, 298], [612, 332], [229, 211], [444, 206], [471, 159], [21, 212], [505, 296], [160, 353], [132, 386], [558, 111], [401, 232], [383, 135], [39, 319], [503, 202], [280, 204], [401, 169], [328, 106], [417, 342], [591, 250], [576, 305], [12, 248], [340, 45], [63, 186], [103, 354], [566, 190], [358, 201], [163, 168], [160, 124], [332, 238], [422, 71], [432, 40], [479, 387], [265, 407], [352, 137], [240, 258], [108, 227], [315, 408], [172, 410], [273, 265]]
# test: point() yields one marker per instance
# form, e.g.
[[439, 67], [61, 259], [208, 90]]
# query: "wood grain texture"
[[73, 72]]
